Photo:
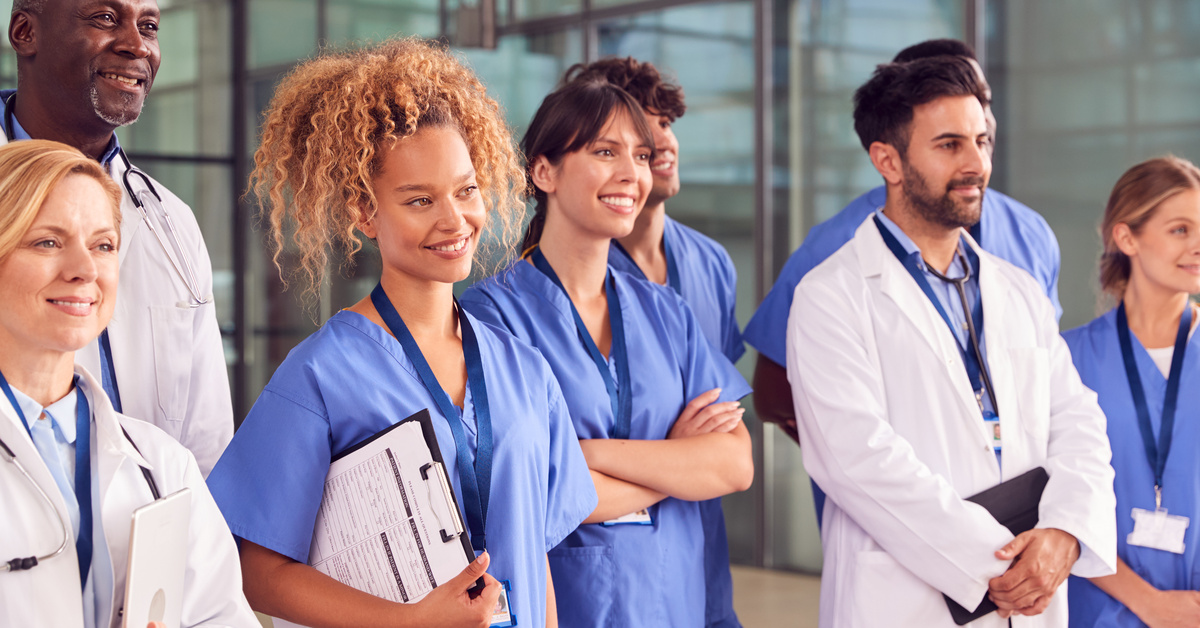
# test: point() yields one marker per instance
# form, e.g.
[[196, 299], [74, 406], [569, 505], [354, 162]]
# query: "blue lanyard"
[[672, 266], [619, 394], [972, 355], [475, 479], [83, 472], [108, 373], [1157, 456]]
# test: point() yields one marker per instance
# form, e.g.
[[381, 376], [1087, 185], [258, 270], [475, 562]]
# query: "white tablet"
[[158, 543]]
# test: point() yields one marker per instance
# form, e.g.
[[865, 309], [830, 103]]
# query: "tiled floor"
[[765, 598]]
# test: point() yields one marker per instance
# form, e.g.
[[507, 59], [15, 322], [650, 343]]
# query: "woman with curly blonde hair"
[[401, 144]]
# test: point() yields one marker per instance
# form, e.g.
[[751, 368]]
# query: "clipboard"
[[158, 544], [389, 516], [1013, 503]]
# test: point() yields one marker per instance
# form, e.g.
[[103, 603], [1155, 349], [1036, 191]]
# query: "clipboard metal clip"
[[440, 471]]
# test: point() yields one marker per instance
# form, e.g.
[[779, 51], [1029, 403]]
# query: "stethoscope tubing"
[[29, 562]]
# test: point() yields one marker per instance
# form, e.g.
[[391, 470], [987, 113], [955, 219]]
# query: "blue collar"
[[62, 412], [19, 133], [910, 249]]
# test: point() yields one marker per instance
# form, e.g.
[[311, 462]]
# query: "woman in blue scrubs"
[[1143, 360], [401, 144], [652, 399]]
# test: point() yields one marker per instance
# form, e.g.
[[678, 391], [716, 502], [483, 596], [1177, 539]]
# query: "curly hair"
[[640, 79], [333, 119]]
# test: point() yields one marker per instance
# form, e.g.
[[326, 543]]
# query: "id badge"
[[993, 429], [639, 518], [1158, 530], [502, 615]]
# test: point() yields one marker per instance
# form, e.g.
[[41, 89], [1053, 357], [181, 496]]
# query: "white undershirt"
[[1162, 356]]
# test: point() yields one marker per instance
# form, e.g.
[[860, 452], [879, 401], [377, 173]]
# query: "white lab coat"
[[890, 429], [169, 360], [49, 594]]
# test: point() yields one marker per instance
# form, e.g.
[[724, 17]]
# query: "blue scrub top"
[[626, 575], [1096, 351], [352, 379], [708, 283], [1007, 229]]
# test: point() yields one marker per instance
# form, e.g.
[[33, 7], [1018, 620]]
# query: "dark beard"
[[941, 210]]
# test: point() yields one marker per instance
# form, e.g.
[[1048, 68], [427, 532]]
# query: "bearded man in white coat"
[[925, 370], [84, 68]]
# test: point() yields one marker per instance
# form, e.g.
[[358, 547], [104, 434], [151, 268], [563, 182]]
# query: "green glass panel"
[[281, 31], [360, 22]]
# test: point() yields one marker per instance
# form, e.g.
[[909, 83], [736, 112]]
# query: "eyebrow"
[[421, 187], [955, 136], [59, 231]]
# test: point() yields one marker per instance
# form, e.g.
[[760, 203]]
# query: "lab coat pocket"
[[1031, 380], [886, 594], [171, 332], [583, 585]]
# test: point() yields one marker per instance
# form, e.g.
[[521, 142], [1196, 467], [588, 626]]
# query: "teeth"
[[619, 201], [77, 305], [663, 166], [457, 246], [122, 79]]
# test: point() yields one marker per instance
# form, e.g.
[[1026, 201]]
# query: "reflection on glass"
[[523, 69], [530, 9]]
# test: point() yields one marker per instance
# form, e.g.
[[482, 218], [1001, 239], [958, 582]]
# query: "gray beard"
[[116, 121]]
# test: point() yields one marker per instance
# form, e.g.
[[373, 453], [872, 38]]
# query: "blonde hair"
[[1134, 199], [29, 170], [331, 122]]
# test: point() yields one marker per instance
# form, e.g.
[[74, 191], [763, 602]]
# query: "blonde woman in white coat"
[[59, 241]]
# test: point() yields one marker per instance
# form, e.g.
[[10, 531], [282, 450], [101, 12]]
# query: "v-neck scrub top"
[[624, 575], [1096, 351], [352, 379]]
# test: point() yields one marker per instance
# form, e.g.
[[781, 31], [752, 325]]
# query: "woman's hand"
[[1172, 609], [450, 605], [703, 415]]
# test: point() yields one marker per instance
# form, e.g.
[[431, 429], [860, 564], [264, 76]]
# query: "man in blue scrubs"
[[663, 251], [1007, 229]]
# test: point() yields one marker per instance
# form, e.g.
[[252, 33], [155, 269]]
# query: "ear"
[[887, 161], [543, 174], [22, 34], [1123, 238], [366, 222]]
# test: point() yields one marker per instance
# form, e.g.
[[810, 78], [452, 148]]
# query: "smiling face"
[[948, 161], [430, 212], [1165, 253], [600, 188], [97, 57], [665, 167], [58, 287]]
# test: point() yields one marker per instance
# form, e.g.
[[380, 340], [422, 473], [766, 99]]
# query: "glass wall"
[[1084, 90]]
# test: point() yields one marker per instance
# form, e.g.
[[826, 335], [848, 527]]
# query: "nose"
[[130, 42], [977, 160], [629, 168], [453, 218], [78, 264]]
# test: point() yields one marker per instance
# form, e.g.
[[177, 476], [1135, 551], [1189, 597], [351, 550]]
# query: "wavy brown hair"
[[1134, 199], [332, 120]]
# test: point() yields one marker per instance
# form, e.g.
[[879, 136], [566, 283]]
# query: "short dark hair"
[[934, 48], [883, 106], [641, 79], [569, 119]]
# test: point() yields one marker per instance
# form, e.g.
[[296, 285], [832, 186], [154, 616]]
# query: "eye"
[[424, 201], [1181, 230], [951, 145], [107, 247], [664, 123], [469, 191], [45, 244], [107, 18], [605, 152], [643, 157], [150, 27]]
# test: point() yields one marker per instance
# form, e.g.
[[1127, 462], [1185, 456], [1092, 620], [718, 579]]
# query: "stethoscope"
[[146, 201], [29, 562]]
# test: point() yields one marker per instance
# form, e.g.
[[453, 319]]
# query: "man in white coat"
[[925, 370], [84, 68]]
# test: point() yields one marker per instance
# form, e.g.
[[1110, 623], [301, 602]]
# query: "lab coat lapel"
[[131, 218], [15, 436], [898, 285]]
